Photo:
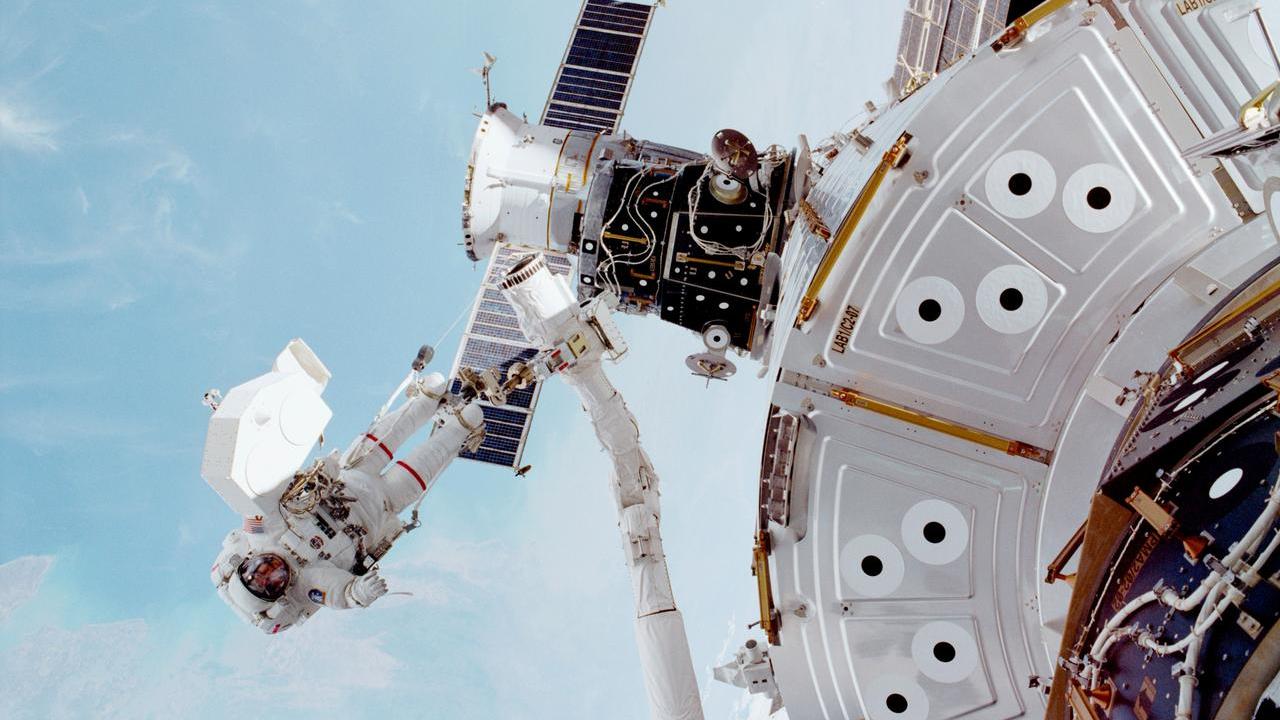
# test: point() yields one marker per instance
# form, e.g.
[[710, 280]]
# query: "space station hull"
[[973, 306]]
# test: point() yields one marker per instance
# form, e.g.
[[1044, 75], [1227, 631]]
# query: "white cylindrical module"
[[526, 181]]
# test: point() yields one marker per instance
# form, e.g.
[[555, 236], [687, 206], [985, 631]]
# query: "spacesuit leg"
[[389, 433], [414, 475]]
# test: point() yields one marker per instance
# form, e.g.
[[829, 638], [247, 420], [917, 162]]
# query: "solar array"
[[493, 339], [937, 33], [595, 76]]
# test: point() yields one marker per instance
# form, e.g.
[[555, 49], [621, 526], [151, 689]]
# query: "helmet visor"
[[266, 576]]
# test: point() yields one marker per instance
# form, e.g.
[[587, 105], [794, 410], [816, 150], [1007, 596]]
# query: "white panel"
[[1126, 210], [264, 429], [874, 484]]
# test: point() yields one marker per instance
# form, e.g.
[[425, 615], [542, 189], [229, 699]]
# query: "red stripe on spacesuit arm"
[[402, 423], [385, 449], [412, 472]]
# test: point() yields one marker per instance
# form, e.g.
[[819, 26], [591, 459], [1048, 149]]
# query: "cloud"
[[56, 673], [142, 234], [318, 666], [22, 130], [20, 581], [135, 668]]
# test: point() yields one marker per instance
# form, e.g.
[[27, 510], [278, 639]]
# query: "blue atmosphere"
[[185, 187]]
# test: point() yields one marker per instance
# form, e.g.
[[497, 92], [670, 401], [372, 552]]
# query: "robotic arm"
[[576, 341]]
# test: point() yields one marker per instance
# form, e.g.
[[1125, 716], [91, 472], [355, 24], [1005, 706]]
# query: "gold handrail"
[[760, 568], [1013, 34], [892, 158], [852, 398]]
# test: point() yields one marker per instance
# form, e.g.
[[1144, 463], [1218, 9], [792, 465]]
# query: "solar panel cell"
[[493, 457], [587, 97], [615, 7], [515, 336], [506, 321], [592, 127], [521, 398], [617, 83], [501, 429], [582, 113], [506, 416], [605, 22], [598, 64]]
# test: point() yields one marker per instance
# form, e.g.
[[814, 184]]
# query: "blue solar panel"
[[493, 339], [490, 318], [604, 81], [588, 101], [599, 63], [487, 455], [501, 429], [497, 307], [592, 126], [618, 8], [512, 334], [506, 416], [604, 51], [521, 398]]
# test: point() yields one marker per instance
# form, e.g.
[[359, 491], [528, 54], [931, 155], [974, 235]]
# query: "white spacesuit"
[[340, 516]]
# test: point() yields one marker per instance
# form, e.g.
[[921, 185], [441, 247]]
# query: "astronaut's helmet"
[[266, 576]]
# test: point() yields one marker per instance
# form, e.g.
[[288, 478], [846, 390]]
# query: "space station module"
[[311, 538]]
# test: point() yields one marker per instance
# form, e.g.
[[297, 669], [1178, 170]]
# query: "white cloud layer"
[[21, 129], [20, 580], [129, 669]]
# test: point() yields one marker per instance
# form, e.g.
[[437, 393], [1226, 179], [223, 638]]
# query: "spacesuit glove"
[[365, 589]]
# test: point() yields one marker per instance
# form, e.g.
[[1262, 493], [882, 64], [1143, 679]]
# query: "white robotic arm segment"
[[551, 318], [650, 583]]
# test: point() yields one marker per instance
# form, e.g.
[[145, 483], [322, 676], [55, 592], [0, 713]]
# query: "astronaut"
[[336, 519]]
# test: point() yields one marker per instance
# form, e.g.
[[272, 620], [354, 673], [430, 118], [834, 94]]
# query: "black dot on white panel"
[[872, 566], [1020, 184], [944, 652], [930, 310], [935, 532], [1098, 198], [1011, 299], [896, 703]]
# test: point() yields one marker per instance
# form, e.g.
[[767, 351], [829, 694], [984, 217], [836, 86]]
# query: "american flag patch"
[[254, 525]]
